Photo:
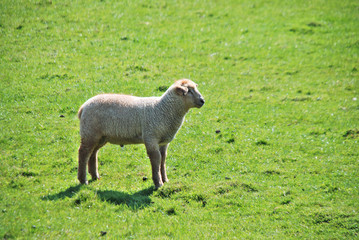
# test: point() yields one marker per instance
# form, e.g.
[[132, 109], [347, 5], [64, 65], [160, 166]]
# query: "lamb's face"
[[191, 96], [194, 97]]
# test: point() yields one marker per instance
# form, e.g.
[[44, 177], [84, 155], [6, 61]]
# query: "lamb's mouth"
[[200, 103]]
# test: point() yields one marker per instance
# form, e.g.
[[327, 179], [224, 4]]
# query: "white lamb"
[[123, 119]]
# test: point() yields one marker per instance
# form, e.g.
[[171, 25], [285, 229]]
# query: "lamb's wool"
[[123, 119]]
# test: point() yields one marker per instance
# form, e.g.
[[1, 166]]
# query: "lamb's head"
[[187, 90]]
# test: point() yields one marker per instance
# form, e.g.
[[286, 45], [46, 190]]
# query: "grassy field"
[[273, 154]]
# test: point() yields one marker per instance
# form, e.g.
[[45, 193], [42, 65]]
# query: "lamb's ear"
[[180, 90]]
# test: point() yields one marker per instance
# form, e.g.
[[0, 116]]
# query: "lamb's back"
[[115, 116]]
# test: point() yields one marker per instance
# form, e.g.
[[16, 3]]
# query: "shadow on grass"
[[70, 192], [137, 200]]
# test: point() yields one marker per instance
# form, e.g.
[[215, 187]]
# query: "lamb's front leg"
[[163, 151], [155, 158]]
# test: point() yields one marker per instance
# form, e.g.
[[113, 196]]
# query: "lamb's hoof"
[[84, 182], [95, 178], [157, 186]]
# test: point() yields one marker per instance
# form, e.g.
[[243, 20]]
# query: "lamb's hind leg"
[[93, 162], [85, 151], [93, 165]]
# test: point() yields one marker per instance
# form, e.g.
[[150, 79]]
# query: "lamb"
[[124, 119]]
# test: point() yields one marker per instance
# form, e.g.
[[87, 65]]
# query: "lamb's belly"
[[125, 140], [123, 132], [165, 140]]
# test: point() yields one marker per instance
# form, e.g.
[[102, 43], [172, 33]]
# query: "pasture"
[[273, 154]]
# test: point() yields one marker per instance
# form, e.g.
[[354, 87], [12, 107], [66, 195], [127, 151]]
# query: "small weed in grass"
[[171, 211], [162, 88], [352, 133], [248, 187], [271, 172], [262, 143]]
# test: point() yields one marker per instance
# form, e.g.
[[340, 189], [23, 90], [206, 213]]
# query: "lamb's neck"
[[173, 109]]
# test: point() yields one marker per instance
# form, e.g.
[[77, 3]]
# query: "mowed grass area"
[[272, 154]]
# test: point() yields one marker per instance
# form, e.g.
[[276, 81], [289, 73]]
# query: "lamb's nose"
[[201, 100]]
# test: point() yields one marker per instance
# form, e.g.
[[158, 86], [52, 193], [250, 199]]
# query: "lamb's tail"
[[79, 112]]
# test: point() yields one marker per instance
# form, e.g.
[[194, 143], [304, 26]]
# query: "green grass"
[[272, 154]]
